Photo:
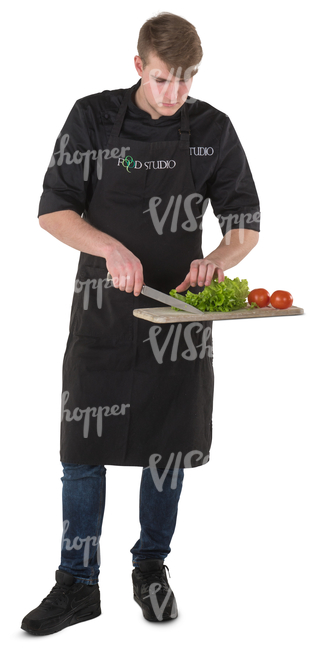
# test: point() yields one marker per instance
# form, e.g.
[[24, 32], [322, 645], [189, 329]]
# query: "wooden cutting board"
[[169, 315]]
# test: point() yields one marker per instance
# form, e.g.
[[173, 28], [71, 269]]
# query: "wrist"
[[109, 245]]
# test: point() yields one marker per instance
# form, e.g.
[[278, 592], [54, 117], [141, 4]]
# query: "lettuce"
[[218, 296]]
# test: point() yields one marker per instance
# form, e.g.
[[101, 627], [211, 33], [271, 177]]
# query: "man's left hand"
[[202, 272]]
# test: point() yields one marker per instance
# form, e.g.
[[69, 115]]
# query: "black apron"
[[135, 392]]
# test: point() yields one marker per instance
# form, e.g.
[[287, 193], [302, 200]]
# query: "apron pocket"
[[99, 310]]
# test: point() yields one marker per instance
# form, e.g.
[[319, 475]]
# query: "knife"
[[163, 297]]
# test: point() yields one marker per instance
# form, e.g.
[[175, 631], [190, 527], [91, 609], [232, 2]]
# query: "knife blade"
[[164, 298], [168, 300]]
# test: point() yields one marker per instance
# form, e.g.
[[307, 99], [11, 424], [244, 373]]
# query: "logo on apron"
[[201, 151], [129, 163]]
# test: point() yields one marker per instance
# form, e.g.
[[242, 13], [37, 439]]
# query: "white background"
[[247, 562]]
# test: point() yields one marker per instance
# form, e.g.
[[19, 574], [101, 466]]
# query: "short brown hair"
[[173, 40]]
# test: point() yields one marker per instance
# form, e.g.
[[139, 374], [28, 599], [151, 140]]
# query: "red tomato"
[[281, 299], [260, 296]]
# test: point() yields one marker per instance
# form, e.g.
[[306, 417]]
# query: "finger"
[[202, 272], [210, 271], [194, 272], [138, 282], [122, 283], [129, 282], [184, 285], [221, 275]]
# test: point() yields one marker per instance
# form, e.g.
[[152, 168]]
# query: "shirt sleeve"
[[68, 175], [231, 188]]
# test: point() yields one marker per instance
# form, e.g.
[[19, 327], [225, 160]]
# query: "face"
[[161, 92]]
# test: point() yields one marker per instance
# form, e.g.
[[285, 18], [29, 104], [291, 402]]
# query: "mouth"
[[170, 105]]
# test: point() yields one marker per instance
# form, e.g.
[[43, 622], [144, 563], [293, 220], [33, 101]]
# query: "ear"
[[138, 65]]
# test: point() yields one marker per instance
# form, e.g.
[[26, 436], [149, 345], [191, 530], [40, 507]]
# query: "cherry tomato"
[[281, 299], [260, 296]]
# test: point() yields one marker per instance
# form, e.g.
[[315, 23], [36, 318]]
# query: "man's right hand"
[[125, 269]]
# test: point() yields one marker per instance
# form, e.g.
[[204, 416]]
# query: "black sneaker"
[[152, 592], [68, 603]]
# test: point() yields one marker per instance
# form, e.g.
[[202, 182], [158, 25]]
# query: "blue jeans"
[[83, 500]]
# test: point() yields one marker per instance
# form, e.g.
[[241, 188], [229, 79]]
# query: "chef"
[[128, 183]]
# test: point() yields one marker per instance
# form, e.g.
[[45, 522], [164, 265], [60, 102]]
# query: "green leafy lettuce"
[[218, 296]]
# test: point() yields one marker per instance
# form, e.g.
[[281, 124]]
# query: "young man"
[[139, 166]]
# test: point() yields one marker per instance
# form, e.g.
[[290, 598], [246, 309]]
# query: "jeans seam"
[[100, 512]]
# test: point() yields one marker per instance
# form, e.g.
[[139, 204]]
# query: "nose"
[[172, 92]]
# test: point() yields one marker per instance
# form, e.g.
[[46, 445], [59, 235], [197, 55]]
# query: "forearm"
[[71, 229], [234, 246], [125, 268]]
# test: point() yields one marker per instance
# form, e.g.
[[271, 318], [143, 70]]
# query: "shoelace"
[[56, 595], [157, 575]]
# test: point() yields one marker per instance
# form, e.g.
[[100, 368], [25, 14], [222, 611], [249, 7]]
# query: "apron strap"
[[185, 122], [185, 127], [115, 132]]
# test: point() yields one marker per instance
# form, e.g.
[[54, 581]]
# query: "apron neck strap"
[[115, 132], [185, 127], [185, 122]]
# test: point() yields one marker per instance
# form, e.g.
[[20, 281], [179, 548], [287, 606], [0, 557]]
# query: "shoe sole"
[[152, 619], [86, 614]]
